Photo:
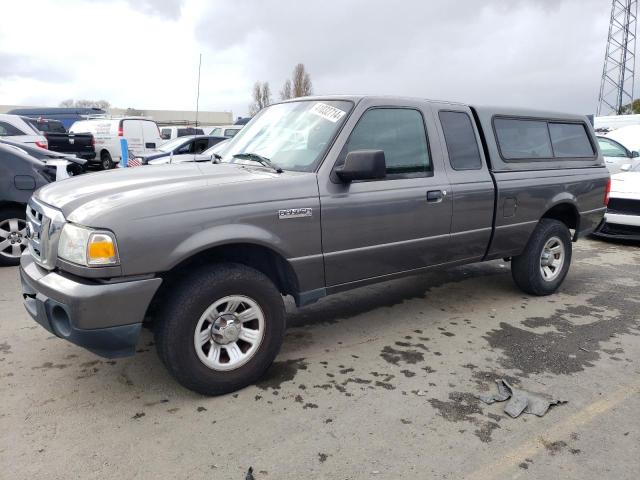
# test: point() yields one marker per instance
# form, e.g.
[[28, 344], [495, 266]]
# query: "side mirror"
[[626, 167], [363, 165], [635, 154]]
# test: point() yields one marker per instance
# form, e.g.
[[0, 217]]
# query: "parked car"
[[629, 136], [73, 165], [191, 145], [622, 220], [66, 115], [317, 196], [20, 175], [173, 131], [77, 144], [142, 136], [16, 129], [213, 154], [228, 131], [615, 154]]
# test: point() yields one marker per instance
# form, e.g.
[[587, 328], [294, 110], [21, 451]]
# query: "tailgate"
[[75, 143]]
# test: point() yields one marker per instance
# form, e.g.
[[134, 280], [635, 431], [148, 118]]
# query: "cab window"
[[400, 133], [461, 141]]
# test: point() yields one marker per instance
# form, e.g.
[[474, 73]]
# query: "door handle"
[[436, 196]]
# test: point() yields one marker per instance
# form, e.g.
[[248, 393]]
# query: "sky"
[[144, 54]]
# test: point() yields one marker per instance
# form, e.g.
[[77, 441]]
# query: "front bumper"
[[104, 318]]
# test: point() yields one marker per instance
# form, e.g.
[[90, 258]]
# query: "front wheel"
[[544, 263], [13, 235], [221, 329]]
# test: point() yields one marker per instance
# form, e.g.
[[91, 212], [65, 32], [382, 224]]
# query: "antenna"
[[197, 109], [198, 94], [616, 86]]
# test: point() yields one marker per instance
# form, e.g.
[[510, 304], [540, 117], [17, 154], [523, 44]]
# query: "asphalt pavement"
[[376, 383]]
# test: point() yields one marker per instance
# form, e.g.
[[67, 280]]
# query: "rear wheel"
[[105, 160], [544, 263], [221, 329], [13, 238]]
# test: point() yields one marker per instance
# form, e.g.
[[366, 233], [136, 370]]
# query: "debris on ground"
[[521, 400]]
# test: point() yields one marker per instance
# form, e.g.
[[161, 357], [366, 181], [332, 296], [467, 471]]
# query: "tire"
[[545, 261], [105, 160], [12, 228], [183, 314]]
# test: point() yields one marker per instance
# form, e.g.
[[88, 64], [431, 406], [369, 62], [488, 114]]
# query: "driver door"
[[400, 223]]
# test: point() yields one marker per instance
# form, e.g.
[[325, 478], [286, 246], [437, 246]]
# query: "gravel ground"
[[380, 382]]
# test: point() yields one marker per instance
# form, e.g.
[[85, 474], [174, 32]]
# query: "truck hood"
[[88, 196], [626, 184]]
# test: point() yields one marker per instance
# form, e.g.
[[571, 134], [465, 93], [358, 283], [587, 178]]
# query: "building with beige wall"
[[161, 116]]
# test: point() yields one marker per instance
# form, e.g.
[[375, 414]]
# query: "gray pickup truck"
[[314, 196]]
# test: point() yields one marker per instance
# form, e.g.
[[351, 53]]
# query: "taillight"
[[607, 191], [120, 133], [42, 145], [93, 141]]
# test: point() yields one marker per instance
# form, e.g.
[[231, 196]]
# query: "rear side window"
[[230, 132], [461, 141], [400, 133], [519, 139], [8, 130], [570, 140]]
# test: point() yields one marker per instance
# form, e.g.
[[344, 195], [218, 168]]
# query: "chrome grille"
[[44, 226]]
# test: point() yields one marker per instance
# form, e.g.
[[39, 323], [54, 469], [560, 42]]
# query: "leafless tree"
[[261, 97], [285, 93], [301, 83], [266, 95]]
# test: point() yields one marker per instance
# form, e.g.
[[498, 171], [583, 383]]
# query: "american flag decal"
[[133, 162]]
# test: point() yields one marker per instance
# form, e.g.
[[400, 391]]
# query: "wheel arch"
[[263, 258], [9, 204], [566, 212]]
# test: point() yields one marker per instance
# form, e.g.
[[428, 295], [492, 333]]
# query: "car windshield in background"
[[218, 148], [172, 144], [292, 135]]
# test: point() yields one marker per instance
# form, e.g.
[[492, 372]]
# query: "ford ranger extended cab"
[[314, 196]]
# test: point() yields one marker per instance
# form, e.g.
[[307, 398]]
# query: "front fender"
[[223, 235]]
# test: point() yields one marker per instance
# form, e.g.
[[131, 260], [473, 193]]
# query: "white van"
[[142, 135], [15, 129], [228, 131]]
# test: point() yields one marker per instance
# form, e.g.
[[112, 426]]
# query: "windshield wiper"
[[258, 158]]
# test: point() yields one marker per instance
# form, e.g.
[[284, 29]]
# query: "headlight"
[[85, 246]]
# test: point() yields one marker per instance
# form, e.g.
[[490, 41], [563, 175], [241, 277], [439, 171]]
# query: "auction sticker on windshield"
[[327, 112]]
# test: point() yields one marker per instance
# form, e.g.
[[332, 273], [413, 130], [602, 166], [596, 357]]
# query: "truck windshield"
[[293, 135]]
